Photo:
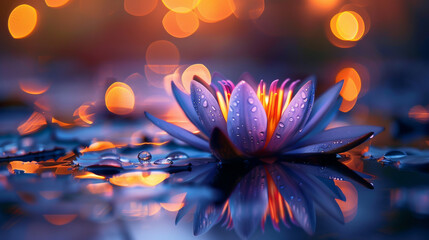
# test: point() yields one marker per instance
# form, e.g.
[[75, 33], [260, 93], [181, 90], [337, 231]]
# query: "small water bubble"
[[234, 104], [395, 154], [250, 100], [297, 116], [202, 96], [255, 119], [214, 109], [177, 155], [303, 95], [296, 105], [292, 109], [238, 114], [233, 119], [238, 128], [253, 109], [291, 119], [278, 136], [205, 104], [144, 156], [302, 105], [163, 161], [261, 133], [281, 125], [213, 119]]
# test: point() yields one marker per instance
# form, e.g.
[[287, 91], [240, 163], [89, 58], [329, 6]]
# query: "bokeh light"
[[162, 57], [56, 3], [350, 206], [351, 88], [22, 21], [322, 5], [197, 69], [211, 11], [33, 86], [347, 26], [120, 98], [180, 25], [139, 7], [181, 6], [247, 9]]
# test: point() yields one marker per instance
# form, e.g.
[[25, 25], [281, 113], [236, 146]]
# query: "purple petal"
[[184, 100], [293, 118], [248, 203], [320, 109], [302, 208], [247, 121], [179, 133], [337, 140], [318, 191], [206, 216], [207, 108]]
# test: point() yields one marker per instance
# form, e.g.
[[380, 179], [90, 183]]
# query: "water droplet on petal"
[[202, 96], [395, 154], [290, 119], [255, 119], [238, 114], [296, 105], [250, 100], [214, 109], [253, 109], [177, 155], [302, 105], [205, 104], [110, 156], [144, 156], [281, 125], [278, 136], [303, 95], [234, 104], [261, 133], [163, 161]]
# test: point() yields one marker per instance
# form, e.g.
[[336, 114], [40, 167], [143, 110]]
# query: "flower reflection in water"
[[284, 192]]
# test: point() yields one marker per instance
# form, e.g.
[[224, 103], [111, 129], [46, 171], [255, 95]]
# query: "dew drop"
[[278, 136], [261, 133], [395, 154], [144, 156], [238, 114], [163, 161], [213, 119], [253, 109], [177, 155], [214, 109], [296, 105], [281, 125], [255, 119], [234, 104], [303, 95], [205, 104], [290, 119], [292, 109], [297, 116], [302, 105], [250, 100]]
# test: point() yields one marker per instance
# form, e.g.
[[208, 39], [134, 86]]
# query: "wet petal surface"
[[293, 118], [247, 121], [207, 108]]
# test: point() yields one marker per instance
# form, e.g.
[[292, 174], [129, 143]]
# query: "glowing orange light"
[[99, 146], [247, 9], [419, 113], [175, 203], [88, 175], [214, 10], [162, 57], [22, 21], [33, 124], [33, 86], [120, 98], [84, 113], [139, 210], [197, 69], [56, 3], [134, 179], [27, 167], [352, 83], [60, 219], [181, 6], [139, 7], [350, 206], [151, 143], [180, 25], [323, 5], [347, 26], [61, 123]]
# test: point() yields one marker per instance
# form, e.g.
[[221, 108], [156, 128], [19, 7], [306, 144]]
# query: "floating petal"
[[247, 121], [179, 133], [293, 118], [184, 100], [207, 108]]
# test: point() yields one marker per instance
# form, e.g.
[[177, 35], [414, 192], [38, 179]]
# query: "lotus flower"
[[238, 122]]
